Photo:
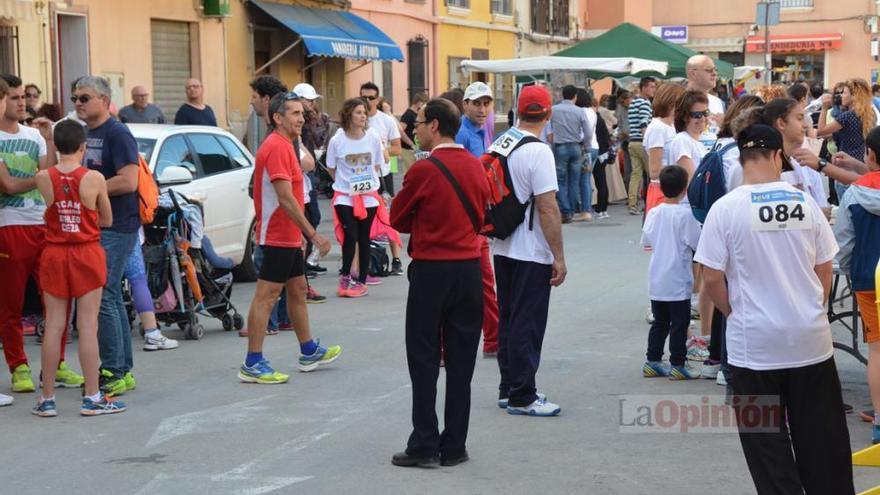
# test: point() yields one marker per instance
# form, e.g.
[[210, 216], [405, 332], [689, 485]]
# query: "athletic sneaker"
[[130, 382], [104, 405], [371, 280], [285, 327], [21, 379], [502, 403], [6, 400], [633, 210], [653, 369], [312, 297], [354, 289], [45, 409], [697, 349], [683, 373], [537, 408], [261, 373], [396, 267], [321, 356], [159, 342], [67, 378], [271, 331], [710, 369], [110, 384], [344, 284], [314, 267], [721, 379]]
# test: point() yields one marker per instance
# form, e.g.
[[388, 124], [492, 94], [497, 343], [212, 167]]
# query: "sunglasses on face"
[[83, 99], [700, 115], [371, 98]]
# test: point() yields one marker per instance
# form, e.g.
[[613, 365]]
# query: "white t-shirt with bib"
[[533, 171], [385, 126], [673, 233], [355, 160], [767, 239]]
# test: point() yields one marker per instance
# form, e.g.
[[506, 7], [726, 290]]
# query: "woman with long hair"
[[354, 158], [585, 100], [658, 135], [854, 118]]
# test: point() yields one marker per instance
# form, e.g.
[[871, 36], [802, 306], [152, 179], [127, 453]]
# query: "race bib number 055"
[[774, 211], [506, 142]]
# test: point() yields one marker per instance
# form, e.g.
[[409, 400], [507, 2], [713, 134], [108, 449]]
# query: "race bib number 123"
[[774, 211]]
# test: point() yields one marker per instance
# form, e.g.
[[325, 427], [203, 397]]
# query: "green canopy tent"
[[629, 40]]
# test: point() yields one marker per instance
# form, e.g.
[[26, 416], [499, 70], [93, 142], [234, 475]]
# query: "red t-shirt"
[[276, 160]]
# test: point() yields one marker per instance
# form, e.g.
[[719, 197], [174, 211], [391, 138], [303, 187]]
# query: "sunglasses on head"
[[81, 98], [700, 115]]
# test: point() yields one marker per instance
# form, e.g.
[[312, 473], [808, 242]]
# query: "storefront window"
[[790, 67], [503, 92]]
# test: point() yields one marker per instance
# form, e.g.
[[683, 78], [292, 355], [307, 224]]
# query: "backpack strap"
[[724, 150], [469, 208], [509, 179]]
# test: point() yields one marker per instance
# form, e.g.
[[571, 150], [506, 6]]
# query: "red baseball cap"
[[534, 100]]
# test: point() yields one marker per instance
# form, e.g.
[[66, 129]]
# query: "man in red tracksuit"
[[441, 205]]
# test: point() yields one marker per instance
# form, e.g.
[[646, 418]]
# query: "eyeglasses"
[[711, 70], [83, 99], [419, 122], [700, 115], [371, 98]]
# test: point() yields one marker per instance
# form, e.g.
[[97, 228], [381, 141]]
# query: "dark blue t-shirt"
[[849, 138], [190, 115], [109, 147]]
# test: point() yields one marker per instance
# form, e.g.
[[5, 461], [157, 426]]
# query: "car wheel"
[[246, 271]]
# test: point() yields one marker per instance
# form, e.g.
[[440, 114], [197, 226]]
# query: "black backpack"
[[379, 263]]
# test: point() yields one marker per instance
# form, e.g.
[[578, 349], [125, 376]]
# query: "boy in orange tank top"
[[73, 266]]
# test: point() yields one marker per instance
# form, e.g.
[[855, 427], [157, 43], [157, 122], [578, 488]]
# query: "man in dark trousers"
[[441, 206]]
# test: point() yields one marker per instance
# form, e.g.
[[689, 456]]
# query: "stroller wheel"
[[227, 322], [238, 321], [194, 332]]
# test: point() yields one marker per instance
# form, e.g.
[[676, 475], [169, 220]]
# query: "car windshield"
[[145, 147]]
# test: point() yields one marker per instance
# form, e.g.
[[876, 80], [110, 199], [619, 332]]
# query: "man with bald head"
[[194, 111], [141, 111], [702, 76]]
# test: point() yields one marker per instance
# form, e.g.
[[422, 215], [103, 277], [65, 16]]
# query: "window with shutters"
[[457, 79], [172, 66], [502, 7], [550, 17], [462, 4], [417, 67], [9, 49]]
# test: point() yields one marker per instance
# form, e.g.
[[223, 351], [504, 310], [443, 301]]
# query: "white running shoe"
[[537, 408], [159, 343], [710, 371], [720, 380], [502, 403], [6, 400]]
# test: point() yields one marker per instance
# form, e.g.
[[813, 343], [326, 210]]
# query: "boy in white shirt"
[[775, 248], [672, 232]]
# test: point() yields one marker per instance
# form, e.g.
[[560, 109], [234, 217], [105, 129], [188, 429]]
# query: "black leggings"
[[601, 187], [355, 233]]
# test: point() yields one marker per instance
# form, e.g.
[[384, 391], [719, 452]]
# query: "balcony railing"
[[795, 4]]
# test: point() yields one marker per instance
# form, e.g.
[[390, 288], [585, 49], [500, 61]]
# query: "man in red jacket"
[[441, 206]]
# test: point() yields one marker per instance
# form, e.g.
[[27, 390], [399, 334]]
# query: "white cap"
[[307, 91], [477, 90]]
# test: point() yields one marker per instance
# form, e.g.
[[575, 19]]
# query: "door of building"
[[416, 67], [172, 65], [71, 53]]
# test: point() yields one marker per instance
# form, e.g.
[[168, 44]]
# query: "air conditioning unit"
[[215, 8]]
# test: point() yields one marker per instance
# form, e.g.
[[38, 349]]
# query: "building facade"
[[479, 30], [822, 40]]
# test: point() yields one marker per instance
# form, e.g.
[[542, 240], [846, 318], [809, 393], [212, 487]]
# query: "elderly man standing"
[[702, 76], [441, 206], [141, 111], [195, 111]]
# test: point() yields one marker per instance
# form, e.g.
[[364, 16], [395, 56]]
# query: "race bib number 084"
[[774, 211]]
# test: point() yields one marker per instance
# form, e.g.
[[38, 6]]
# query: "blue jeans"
[[279, 311], [569, 161], [114, 332], [586, 182]]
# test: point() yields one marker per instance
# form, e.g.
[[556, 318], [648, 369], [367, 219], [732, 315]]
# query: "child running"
[[73, 266], [673, 234]]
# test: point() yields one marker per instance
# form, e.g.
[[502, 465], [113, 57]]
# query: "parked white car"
[[209, 165]]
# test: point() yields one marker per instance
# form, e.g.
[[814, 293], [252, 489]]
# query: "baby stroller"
[[182, 282], [324, 183]]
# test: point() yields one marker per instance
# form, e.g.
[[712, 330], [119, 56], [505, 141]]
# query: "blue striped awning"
[[334, 33]]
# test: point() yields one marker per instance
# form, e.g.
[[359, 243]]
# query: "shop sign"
[[354, 50], [672, 34], [787, 44]]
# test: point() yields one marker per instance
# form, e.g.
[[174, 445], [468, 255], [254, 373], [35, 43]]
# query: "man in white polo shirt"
[[775, 247]]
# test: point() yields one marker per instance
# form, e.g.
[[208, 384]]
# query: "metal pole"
[[768, 61]]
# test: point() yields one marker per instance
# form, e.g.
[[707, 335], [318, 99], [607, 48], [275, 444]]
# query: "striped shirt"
[[640, 113]]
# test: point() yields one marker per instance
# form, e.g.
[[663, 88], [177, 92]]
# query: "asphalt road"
[[192, 428]]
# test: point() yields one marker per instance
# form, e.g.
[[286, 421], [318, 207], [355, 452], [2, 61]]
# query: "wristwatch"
[[822, 164]]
